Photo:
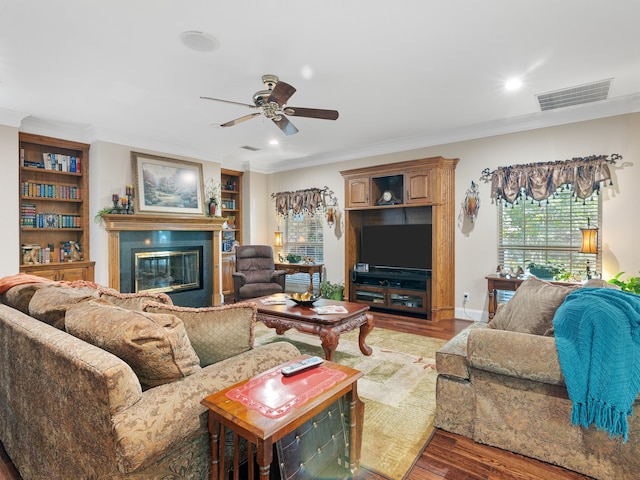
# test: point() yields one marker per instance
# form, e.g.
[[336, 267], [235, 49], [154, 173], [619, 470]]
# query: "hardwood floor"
[[446, 456]]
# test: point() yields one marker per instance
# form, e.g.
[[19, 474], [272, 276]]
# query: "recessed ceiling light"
[[513, 84], [199, 41], [274, 142]]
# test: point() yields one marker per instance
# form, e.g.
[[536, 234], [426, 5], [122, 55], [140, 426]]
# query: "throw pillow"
[[215, 333], [155, 346], [532, 307], [20, 296], [133, 301], [50, 303]]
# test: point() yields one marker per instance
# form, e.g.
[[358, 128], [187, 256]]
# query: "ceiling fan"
[[272, 103]]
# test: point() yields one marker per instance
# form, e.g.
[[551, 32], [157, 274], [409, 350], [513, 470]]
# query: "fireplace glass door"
[[167, 270]]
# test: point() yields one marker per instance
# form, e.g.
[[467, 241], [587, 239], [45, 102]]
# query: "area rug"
[[398, 389]]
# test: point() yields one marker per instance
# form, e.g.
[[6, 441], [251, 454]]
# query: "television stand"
[[393, 289]]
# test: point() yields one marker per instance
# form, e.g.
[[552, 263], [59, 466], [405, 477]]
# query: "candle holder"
[[129, 203], [115, 199]]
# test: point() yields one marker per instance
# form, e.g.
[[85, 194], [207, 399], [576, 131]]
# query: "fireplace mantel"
[[114, 224]]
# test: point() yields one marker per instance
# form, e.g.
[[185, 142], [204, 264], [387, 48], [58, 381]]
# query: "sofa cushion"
[[133, 301], [20, 296], [532, 307], [50, 303], [216, 333], [155, 346]]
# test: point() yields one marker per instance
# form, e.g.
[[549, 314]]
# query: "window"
[[548, 233], [303, 236]]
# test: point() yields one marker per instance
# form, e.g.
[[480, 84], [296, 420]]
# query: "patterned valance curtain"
[[539, 181], [301, 201]]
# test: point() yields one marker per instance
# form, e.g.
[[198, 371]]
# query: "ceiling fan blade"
[[281, 93], [285, 125], [228, 101], [240, 120], [311, 113]]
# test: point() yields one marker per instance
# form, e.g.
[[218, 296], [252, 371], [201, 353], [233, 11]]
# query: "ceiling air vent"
[[250, 148], [567, 97]]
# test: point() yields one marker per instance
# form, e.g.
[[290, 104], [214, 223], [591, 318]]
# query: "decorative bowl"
[[302, 299]]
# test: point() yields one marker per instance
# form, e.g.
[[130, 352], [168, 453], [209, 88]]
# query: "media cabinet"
[[394, 289], [417, 192]]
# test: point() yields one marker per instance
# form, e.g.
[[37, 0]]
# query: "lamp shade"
[[277, 241], [589, 240]]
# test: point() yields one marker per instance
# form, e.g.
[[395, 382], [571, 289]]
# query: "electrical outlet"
[[466, 297]]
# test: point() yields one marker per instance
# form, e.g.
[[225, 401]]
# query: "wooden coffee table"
[[252, 409], [327, 327]]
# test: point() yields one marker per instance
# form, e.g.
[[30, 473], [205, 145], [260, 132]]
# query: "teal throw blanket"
[[597, 334]]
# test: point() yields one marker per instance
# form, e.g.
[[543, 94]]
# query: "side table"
[[262, 424], [495, 283], [308, 268]]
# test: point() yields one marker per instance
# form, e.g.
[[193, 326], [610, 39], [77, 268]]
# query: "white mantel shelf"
[[115, 223]]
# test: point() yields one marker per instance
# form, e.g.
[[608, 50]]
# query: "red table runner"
[[274, 395]]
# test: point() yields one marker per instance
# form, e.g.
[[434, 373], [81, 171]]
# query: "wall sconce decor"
[[330, 206], [472, 201]]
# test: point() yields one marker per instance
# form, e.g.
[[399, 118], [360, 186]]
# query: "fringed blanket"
[[597, 334]]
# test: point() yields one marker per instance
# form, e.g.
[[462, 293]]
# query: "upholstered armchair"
[[255, 274]]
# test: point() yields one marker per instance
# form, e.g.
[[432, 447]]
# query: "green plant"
[[332, 290], [104, 211], [632, 284], [558, 272], [212, 190], [293, 258]]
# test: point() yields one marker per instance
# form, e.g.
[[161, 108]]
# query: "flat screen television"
[[399, 246]]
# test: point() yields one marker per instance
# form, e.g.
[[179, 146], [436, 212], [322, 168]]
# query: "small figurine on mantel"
[[76, 252]]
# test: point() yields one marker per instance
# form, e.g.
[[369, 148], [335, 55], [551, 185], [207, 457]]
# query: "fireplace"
[[167, 270], [196, 238]]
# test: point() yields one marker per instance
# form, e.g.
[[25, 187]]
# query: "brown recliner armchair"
[[255, 274]]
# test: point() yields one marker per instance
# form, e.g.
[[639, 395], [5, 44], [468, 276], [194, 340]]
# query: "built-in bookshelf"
[[54, 208], [231, 208]]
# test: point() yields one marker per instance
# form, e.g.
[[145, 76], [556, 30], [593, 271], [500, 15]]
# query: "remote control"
[[301, 366]]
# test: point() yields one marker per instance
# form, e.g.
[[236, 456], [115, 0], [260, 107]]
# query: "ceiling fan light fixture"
[[199, 41]]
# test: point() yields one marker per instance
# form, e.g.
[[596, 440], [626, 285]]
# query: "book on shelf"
[[60, 162]]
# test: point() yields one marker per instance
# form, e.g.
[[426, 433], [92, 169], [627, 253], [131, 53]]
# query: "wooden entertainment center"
[[412, 192]]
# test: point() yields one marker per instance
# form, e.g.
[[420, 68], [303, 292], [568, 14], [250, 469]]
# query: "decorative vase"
[[212, 207]]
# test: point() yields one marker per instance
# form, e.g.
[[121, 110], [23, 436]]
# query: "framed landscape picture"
[[165, 185]]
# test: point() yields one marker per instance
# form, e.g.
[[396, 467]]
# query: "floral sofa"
[[99, 385], [501, 384]]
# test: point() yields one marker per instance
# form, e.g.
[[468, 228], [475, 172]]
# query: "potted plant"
[[632, 284], [549, 272], [333, 291]]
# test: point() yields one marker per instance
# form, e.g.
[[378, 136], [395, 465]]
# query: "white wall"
[[256, 229], [476, 245], [110, 171], [10, 201]]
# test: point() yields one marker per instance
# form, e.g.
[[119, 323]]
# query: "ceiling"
[[402, 75]]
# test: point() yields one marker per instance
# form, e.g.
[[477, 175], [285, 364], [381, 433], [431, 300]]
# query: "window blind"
[[548, 233], [303, 236]]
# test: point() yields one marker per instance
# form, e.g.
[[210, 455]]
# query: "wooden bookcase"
[[54, 208], [416, 191], [231, 205]]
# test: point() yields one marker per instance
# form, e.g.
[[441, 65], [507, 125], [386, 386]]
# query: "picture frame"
[[167, 185]]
